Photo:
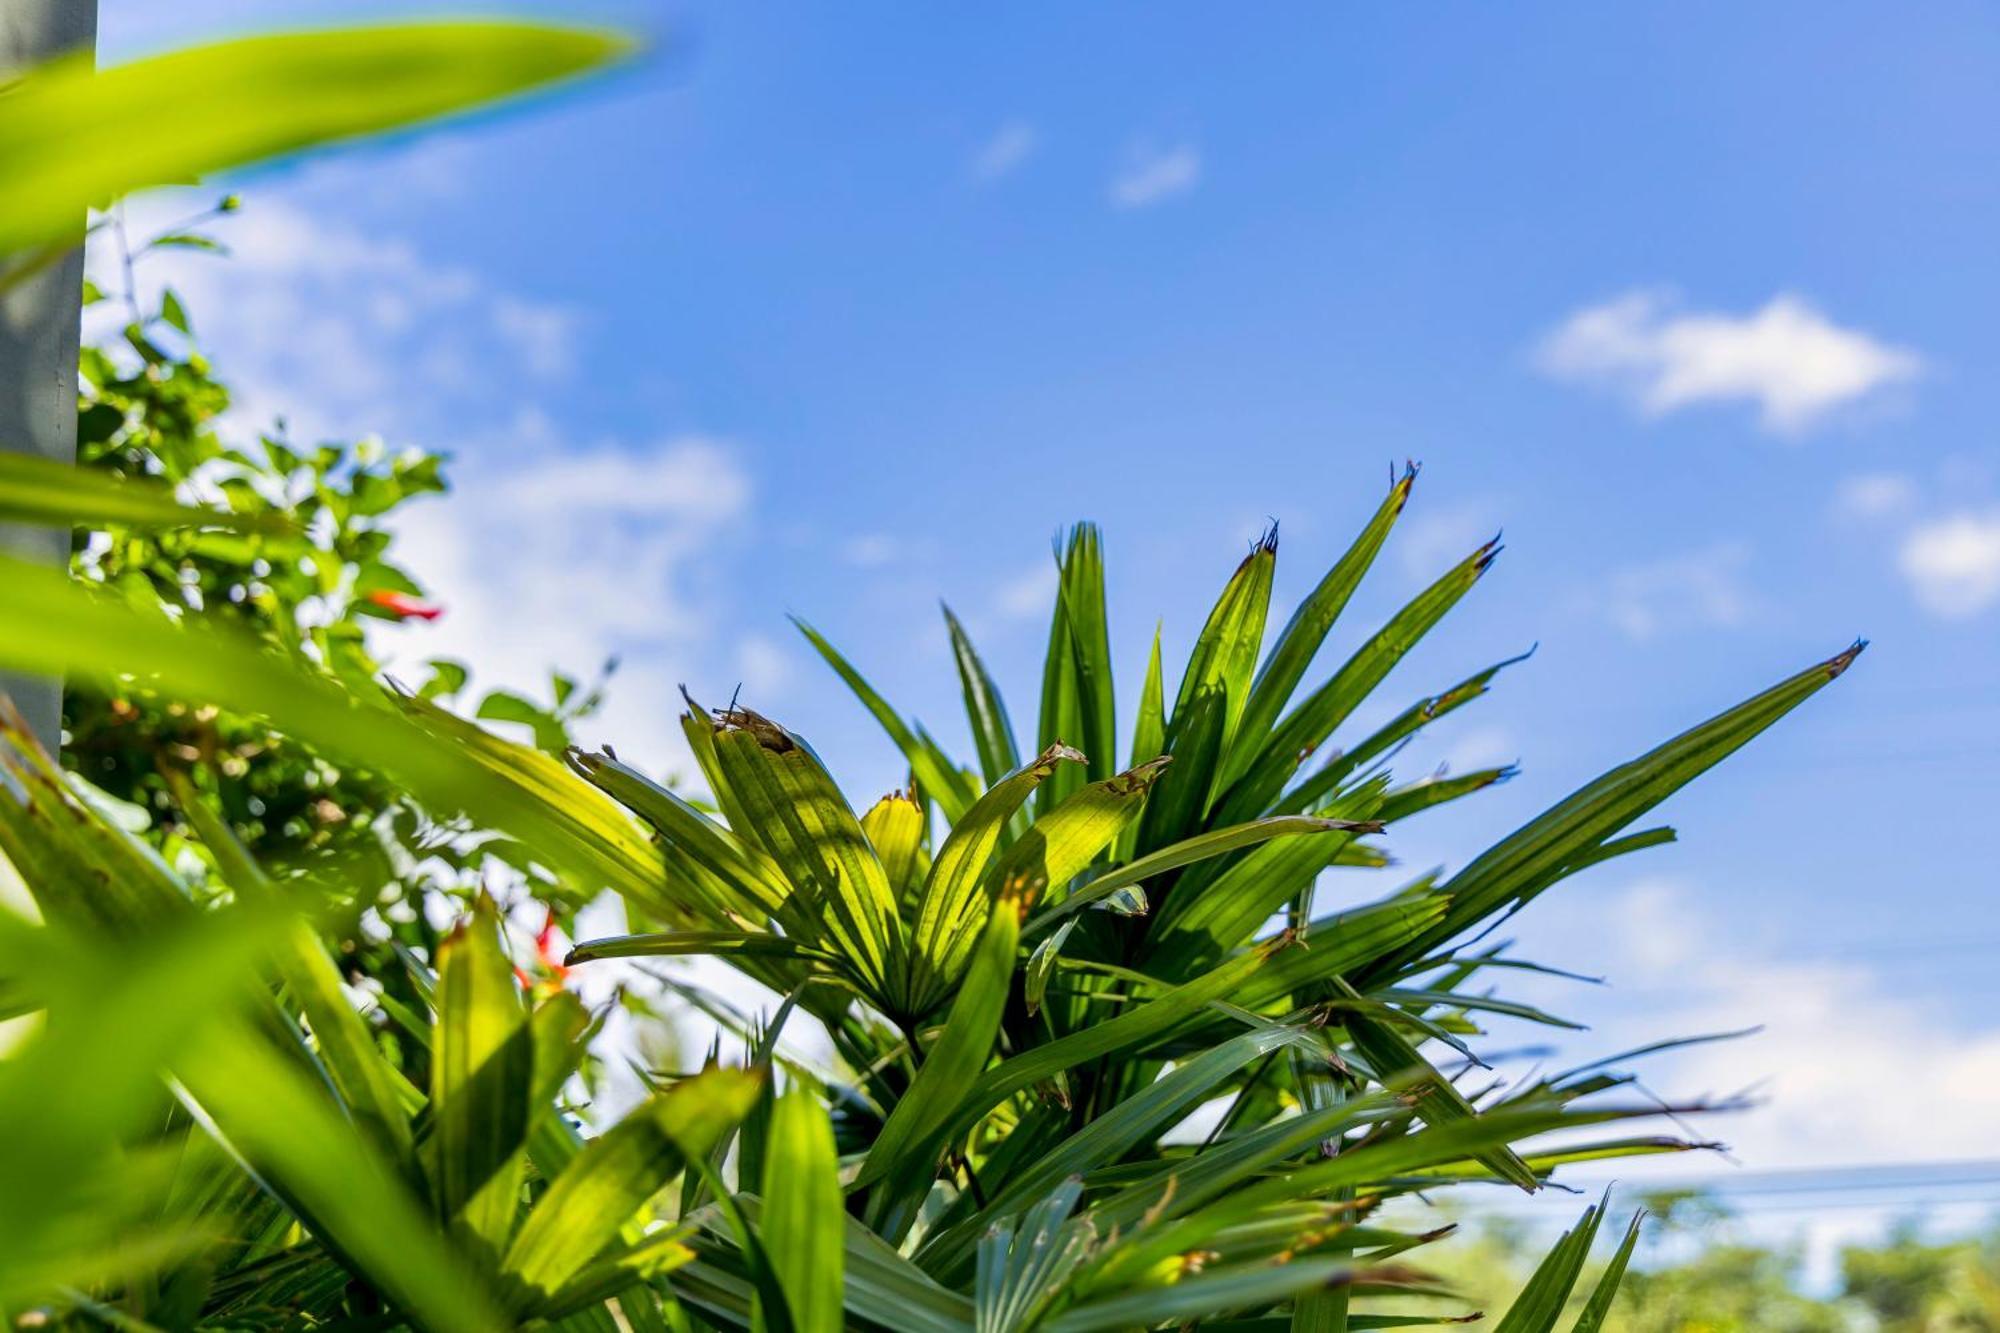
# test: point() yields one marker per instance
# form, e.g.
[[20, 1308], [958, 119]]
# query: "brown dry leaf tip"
[[1046, 761], [1284, 939], [1488, 554], [1307, 1241], [762, 729], [1835, 665], [1356, 826], [1159, 1208], [1404, 483], [1268, 543], [1139, 778]]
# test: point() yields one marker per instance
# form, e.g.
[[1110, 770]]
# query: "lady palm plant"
[[1037, 972], [1099, 1063]]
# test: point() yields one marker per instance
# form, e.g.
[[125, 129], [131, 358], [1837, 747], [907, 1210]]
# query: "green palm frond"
[[1098, 1061]]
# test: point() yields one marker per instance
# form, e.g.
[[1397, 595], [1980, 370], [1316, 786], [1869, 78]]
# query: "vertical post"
[[40, 320]]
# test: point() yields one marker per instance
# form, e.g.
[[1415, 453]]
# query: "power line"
[[1879, 1176]]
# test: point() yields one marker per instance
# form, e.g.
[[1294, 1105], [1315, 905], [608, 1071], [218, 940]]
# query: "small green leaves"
[[1021, 1270], [1213, 692]]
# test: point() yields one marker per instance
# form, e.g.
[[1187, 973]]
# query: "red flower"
[[403, 606], [548, 961], [545, 950]]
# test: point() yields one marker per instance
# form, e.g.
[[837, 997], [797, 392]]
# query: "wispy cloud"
[[1875, 495], [870, 550], [1796, 365], [1027, 594], [1005, 153], [546, 555], [1703, 588], [1151, 175], [1952, 562], [346, 332], [573, 557], [1439, 536], [1809, 1008]]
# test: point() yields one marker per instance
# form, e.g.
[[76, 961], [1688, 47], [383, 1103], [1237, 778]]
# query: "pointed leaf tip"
[[1141, 775], [1841, 661]]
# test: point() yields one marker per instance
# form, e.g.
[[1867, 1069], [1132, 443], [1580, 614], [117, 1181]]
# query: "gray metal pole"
[[39, 323]]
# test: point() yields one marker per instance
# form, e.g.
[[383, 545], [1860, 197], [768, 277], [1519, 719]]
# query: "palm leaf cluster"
[[1036, 971], [1098, 1064]]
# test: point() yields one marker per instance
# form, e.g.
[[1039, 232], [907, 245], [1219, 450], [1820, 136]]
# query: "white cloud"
[[545, 555], [1796, 365], [1151, 175], [1872, 495], [1481, 747], [1006, 152], [1822, 1020], [543, 335], [346, 333], [1676, 969], [1432, 539], [870, 550], [1029, 594], [763, 668], [1953, 563], [1700, 588], [576, 557]]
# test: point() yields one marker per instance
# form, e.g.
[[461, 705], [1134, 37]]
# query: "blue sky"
[[840, 310]]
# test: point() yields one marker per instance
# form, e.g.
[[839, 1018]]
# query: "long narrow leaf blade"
[[75, 137], [616, 1173], [804, 1216]]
